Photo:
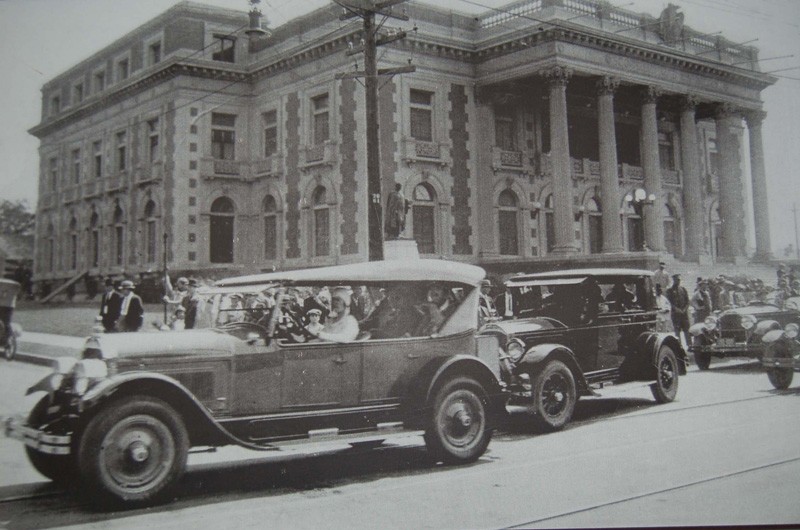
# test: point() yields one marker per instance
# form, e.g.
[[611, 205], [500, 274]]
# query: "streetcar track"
[[651, 493]]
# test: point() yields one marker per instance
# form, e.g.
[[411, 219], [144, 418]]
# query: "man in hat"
[[679, 301], [131, 310], [191, 303], [701, 301], [174, 297], [486, 307], [340, 326], [109, 306], [661, 276]]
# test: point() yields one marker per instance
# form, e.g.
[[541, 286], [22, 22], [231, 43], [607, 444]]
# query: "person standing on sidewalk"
[[131, 311], [109, 307], [679, 300]]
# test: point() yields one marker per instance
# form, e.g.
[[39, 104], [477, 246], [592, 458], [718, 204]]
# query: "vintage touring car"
[[572, 333], [121, 419]]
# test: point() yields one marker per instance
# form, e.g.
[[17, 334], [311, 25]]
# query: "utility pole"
[[367, 11], [796, 240]]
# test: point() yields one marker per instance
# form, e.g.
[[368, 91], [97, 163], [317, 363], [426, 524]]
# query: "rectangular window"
[[154, 53], [223, 48], [223, 136], [52, 171], [666, 152], [119, 245], [99, 81], [421, 115], [97, 149], [270, 133], [504, 128], [122, 70], [153, 153], [319, 119], [77, 93], [76, 166], [55, 105], [121, 151]]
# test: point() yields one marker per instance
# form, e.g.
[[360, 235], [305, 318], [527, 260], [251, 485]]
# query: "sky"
[[40, 39]]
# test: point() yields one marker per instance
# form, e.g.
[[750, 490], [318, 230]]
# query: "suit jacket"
[[131, 321], [110, 304]]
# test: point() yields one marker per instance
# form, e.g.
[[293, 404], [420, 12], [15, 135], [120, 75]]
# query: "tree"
[[16, 218]]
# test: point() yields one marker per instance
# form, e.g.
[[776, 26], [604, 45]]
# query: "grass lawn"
[[71, 318]]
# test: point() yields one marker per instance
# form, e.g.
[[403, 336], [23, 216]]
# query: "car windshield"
[[342, 312]]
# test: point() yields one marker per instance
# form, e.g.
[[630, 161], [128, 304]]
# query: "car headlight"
[[711, 322], [515, 349], [791, 330], [86, 371], [748, 321]]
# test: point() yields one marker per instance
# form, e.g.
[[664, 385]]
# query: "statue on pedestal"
[[396, 209]]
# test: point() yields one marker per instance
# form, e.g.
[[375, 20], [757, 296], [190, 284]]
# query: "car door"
[[320, 375]]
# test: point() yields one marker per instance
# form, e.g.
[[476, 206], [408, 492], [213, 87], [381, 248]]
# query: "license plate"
[[726, 341]]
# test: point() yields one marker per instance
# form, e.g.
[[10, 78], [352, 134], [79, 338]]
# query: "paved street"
[[724, 453]]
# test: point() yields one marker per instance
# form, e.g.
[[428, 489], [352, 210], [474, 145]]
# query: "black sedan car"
[[738, 332], [567, 334]]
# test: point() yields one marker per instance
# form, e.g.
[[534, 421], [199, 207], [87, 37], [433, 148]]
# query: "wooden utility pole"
[[367, 11]]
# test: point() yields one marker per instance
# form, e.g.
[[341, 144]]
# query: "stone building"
[[545, 132]]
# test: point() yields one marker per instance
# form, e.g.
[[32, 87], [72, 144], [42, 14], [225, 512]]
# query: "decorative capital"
[[689, 102], [557, 76], [650, 94], [726, 110], [754, 118], [607, 85]]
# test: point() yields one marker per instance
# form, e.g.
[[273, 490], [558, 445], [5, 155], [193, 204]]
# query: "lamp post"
[[638, 199]]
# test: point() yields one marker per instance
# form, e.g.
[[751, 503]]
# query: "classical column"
[[651, 166], [731, 199], [609, 173], [692, 182], [558, 77], [759, 182]]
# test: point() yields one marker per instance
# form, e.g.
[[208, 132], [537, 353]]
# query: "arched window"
[[549, 223], [422, 215], [321, 219], [150, 232], [94, 228], [73, 243], [119, 236], [270, 210], [671, 241], [221, 231], [595, 226], [635, 228], [508, 224]]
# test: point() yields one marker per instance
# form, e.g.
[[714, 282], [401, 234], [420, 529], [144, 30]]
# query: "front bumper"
[[722, 348], [42, 441]]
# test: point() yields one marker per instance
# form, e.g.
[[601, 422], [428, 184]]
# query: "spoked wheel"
[[780, 378], [458, 430], [554, 396], [666, 386], [134, 451]]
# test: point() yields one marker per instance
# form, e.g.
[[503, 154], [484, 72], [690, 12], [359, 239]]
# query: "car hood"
[[518, 326], [755, 310], [194, 342]]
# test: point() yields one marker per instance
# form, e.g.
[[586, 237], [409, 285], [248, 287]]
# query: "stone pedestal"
[[400, 249]]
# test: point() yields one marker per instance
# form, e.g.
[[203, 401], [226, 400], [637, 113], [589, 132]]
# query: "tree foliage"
[[16, 218]]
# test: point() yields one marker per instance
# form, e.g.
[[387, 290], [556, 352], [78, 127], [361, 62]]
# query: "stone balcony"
[[418, 151]]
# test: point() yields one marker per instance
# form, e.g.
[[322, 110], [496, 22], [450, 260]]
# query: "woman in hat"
[[340, 325]]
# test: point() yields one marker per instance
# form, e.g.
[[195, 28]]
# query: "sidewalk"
[[44, 348]]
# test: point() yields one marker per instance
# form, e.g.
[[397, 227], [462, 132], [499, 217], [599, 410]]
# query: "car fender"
[[652, 341], [436, 372], [202, 426], [542, 353], [772, 336]]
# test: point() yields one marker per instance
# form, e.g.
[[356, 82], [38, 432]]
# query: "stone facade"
[[519, 139]]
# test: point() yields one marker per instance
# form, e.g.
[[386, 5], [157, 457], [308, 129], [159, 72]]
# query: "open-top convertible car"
[[739, 332], [121, 420], [572, 333]]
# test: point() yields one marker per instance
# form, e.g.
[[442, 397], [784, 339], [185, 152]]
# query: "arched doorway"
[[221, 231], [508, 223], [672, 242], [549, 223], [321, 220], [595, 226], [423, 219]]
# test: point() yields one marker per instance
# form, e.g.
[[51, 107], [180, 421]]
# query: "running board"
[[381, 432]]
